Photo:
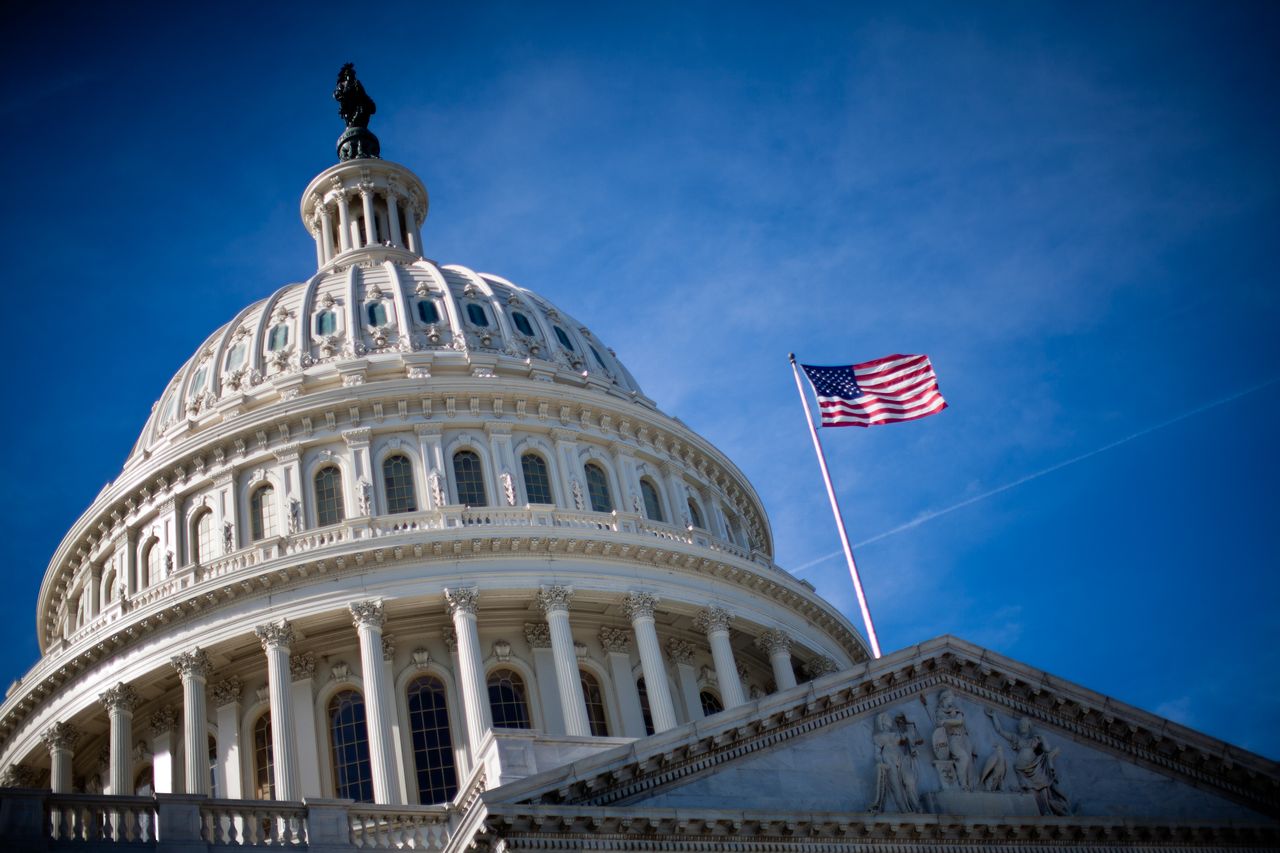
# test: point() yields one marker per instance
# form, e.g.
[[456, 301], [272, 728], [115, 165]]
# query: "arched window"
[[710, 702], [326, 323], [695, 515], [537, 482], [278, 339], [645, 712], [476, 315], [598, 488], [522, 323], [262, 513], [652, 505], [469, 478], [349, 737], [563, 339], [427, 312], [377, 313], [594, 697], [109, 586], [235, 358], [151, 560], [432, 744], [202, 541], [264, 780], [397, 483], [507, 702], [329, 508]]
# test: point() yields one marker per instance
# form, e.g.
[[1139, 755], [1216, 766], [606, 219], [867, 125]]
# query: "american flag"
[[884, 391]]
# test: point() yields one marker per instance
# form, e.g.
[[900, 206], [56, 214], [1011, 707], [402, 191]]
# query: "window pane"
[[652, 506], [598, 488], [695, 516], [397, 478], [537, 483], [236, 356], [564, 339], [432, 744], [507, 700], [263, 765], [522, 323], [204, 538], [476, 315], [710, 703], [262, 513], [329, 509], [594, 697], [427, 312], [377, 314], [279, 338], [348, 733], [153, 564], [469, 477], [326, 323]]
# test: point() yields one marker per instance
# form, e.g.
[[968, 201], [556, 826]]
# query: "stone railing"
[[32, 820]]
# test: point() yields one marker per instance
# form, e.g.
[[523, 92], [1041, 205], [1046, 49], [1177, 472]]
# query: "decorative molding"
[[615, 640], [226, 692], [164, 720], [462, 599], [537, 635], [680, 651], [450, 636], [275, 634], [388, 647], [502, 650], [340, 671], [192, 664], [119, 698], [421, 657], [820, 666], [712, 618], [60, 735], [554, 597], [774, 642], [302, 666], [639, 605], [367, 614]]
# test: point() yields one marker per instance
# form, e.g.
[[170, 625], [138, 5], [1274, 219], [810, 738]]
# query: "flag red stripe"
[[834, 407], [867, 423]]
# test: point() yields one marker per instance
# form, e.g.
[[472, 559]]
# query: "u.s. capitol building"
[[404, 557]]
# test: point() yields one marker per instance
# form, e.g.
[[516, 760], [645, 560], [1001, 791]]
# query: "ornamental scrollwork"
[[367, 614], [554, 597], [226, 691], [774, 642], [275, 634], [615, 640], [713, 618], [119, 697], [680, 651], [537, 635], [192, 664], [163, 721], [462, 599], [639, 605], [60, 735], [302, 667]]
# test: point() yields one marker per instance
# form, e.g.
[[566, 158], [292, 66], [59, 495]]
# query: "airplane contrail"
[[932, 514]]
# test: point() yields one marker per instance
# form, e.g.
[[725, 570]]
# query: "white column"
[[639, 607], [778, 646], [368, 617], [120, 701], [326, 226], [302, 670], [194, 668], [276, 637], [344, 223], [226, 704], [538, 636], [715, 621], [411, 234], [164, 750], [393, 220], [677, 495], [397, 735], [366, 199], [462, 746], [680, 652], [430, 445], [617, 645], [554, 601], [60, 739], [475, 696]]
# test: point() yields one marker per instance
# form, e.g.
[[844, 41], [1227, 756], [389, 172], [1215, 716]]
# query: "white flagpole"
[[835, 508]]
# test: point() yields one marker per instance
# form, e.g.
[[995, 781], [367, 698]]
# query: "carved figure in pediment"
[[951, 741], [1033, 763], [895, 751]]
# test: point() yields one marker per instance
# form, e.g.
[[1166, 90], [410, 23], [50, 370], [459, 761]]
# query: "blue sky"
[[1073, 209]]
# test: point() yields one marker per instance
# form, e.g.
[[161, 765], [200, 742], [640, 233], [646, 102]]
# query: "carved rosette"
[[275, 634], [367, 614], [163, 721], [820, 666], [615, 639], [119, 699], [537, 635], [639, 605], [713, 619], [554, 597], [60, 736], [680, 651], [462, 599], [302, 667], [192, 664], [774, 642], [226, 691]]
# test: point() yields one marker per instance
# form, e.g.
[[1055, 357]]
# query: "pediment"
[[945, 728]]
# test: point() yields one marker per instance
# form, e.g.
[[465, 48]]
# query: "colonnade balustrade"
[[295, 773]]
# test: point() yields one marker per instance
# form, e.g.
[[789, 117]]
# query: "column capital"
[[192, 664], [275, 634], [774, 641], [639, 605], [60, 735], [462, 599], [121, 697], [554, 597], [226, 691], [615, 640], [713, 618], [368, 613], [164, 720], [302, 667], [537, 635], [680, 651], [820, 666]]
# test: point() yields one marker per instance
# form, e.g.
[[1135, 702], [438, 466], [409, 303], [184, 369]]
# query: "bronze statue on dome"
[[356, 108]]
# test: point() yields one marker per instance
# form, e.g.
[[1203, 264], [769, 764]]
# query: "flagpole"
[[835, 509]]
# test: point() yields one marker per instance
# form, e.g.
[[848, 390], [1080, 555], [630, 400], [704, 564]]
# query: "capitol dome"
[[410, 526]]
